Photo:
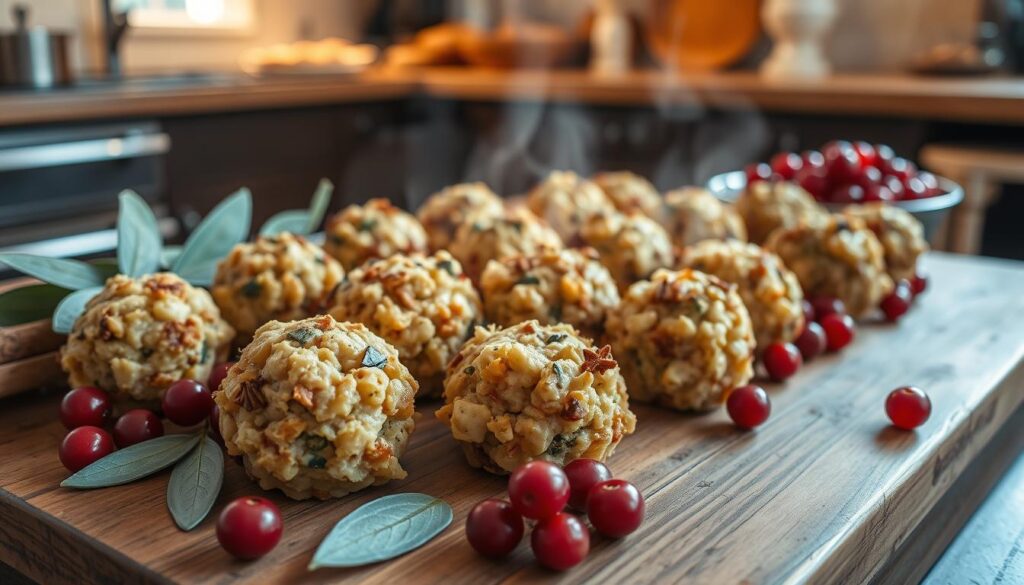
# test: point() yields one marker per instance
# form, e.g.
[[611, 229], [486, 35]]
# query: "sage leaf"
[[29, 303], [71, 308], [374, 358], [138, 236], [383, 529], [134, 462], [291, 220], [195, 484], [69, 274], [224, 227], [169, 256], [318, 206]]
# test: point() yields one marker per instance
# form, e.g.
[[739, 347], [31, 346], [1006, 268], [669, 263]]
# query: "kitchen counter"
[[997, 100]]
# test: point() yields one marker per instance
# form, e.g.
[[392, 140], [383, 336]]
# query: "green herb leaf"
[[528, 279], [71, 308], [134, 462], [448, 266], [292, 220], [138, 236], [195, 484], [555, 338], [304, 335], [367, 225], [383, 529], [469, 370], [316, 462], [252, 289], [69, 274], [29, 303], [169, 255], [223, 228], [373, 358], [318, 206]]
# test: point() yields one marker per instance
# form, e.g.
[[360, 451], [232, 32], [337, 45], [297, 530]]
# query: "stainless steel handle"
[[84, 151]]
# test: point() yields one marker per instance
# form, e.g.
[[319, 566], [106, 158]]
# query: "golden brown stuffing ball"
[[564, 200], [767, 206], [684, 339], [554, 286], [376, 229], [532, 392], [631, 246], [486, 238], [692, 214], [422, 305], [317, 408], [901, 235], [769, 290], [839, 257], [630, 192], [140, 335], [276, 278], [443, 212]]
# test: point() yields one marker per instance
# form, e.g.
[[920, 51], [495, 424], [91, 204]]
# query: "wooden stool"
[[980, 170]]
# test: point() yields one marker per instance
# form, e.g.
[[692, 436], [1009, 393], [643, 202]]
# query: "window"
[[190, 15]]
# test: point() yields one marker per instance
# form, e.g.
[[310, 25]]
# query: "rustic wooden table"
[[825, 492]]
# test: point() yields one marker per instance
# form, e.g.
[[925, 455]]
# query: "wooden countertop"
[[825, 492], [972, 99]]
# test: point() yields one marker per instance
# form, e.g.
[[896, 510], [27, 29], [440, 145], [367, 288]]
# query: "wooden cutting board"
[[824, 492]]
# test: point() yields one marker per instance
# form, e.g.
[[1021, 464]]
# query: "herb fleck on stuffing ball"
[[532, 392], [317, 408]]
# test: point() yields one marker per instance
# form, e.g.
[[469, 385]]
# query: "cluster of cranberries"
[[845, 172], [540, 491], [897, 303], [87, 412]]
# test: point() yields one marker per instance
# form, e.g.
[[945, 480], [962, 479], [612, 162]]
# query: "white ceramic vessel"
[[798, 28]]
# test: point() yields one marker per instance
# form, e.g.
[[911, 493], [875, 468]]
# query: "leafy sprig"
[[302, 222]]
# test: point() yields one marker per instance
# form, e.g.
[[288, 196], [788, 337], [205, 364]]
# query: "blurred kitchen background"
[[187, 100]]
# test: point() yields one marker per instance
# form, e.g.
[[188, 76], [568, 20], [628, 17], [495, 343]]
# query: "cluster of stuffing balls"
[[535, 321]]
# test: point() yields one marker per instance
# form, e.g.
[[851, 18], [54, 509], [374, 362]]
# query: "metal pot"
[[33, 57]]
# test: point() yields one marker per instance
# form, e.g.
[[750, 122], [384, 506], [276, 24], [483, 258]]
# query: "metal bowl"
[[930, 211]]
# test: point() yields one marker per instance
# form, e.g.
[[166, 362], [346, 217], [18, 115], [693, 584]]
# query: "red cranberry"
[[84, 446], [560, 542], [826, 306], [85, 406], [748, 406], [215, 424], [782, 360], [584, 474], [249, 527], [839, 331], [786, 164], [187, 403], [895, 186], [808, 310], [866, 153], [883, 155], [878, 192], [930, 181], [217, 375], [813, 159], [902, 168], [913, 188], [814, 180], [908, 407], [842, 163], [538, 489], [918, 284], [137, 425], [897, 303], [811, 342], [758, 172], [494, 528], [615, 508], [867, 177], [848, 193]]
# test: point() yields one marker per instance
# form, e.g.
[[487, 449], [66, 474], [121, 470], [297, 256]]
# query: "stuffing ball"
[[140, 335], [769, 290], [631, 246], [839, 258], [767, 206], [684, 339], [376, 229], [317, 408], [486, 238], [422, 305], [692, 214], [901, 235], [630, 192], [554, 286], [443, 212], [276, 278], [565, 200], [532, 392]]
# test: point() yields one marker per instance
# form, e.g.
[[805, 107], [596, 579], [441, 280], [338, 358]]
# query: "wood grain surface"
[[963, 99], [823, 493]]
